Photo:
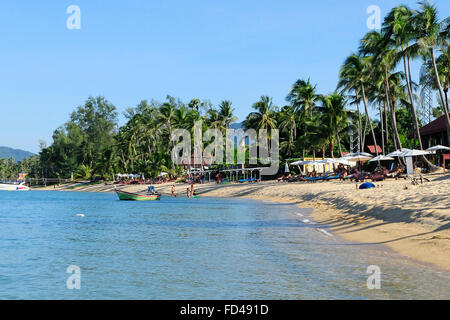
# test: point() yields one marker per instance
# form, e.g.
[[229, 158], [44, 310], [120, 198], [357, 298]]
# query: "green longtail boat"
[[123, 195]]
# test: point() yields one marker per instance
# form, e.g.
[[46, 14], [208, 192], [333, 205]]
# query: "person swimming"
[[188, 191]]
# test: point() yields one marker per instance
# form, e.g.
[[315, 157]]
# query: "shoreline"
[[414, 221]]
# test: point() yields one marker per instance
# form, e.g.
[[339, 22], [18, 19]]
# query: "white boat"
[[13, 186]]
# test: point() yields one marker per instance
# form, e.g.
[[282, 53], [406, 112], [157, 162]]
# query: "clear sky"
[[132, 50]]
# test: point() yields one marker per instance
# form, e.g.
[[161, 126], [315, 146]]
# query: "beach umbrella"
[[360, 158], [343, 161], [300, 163], [415, 153], [381, 158], [286, 168], [438, 147], [358, 154], [398, 153]]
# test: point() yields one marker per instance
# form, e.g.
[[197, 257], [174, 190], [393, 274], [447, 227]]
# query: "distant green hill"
[[17, 154]]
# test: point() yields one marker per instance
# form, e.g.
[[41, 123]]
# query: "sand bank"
[[414, 220]]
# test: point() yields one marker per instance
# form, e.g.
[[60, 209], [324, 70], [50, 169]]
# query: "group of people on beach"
[[346, 173], [190, 191]]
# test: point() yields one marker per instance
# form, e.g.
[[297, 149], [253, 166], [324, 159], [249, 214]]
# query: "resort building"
[[434, 133]]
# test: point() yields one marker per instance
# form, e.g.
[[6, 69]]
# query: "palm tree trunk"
[[370, 122], [394, 125], [397, 142], [331, 147], [339, 142], [413, 109], [411, 100], [446, 97], [386, 128], [359, 122], [382, 127], [441, 94], [364, 133]]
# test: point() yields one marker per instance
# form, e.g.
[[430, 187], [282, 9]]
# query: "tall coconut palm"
[[353, 76], [167, 115], [288, 122], [226, 113], [384, 55], [427, 34], [398, 29], [287, 119], [265, 115], [443, 66], [349, 82], [333, 107], [213, 119], [303, 96]]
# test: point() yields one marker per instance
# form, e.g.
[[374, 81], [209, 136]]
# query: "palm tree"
[[349, 82], [443, 66], [214, 119], [427, 34], [384, 55], [353, 76], [303, 96], [334, 117], [226, 113], [288, 122], [167, 115], [265, 115], [399, 29]]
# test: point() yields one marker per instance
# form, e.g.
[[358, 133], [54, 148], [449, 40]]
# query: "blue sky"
[[132, 50]]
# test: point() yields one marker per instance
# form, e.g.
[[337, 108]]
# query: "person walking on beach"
[[173, 191]]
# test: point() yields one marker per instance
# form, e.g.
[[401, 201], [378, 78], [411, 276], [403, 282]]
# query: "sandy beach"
[[413, 220]]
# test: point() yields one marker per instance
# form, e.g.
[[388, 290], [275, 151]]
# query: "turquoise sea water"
[[204, 248]]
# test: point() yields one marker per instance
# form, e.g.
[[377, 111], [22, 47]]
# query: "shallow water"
[[204, 248]]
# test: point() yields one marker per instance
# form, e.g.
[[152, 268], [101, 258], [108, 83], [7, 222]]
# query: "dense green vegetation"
[[377, 76]]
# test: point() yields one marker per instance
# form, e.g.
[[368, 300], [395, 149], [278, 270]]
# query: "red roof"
[[372, 149], [435, 126]]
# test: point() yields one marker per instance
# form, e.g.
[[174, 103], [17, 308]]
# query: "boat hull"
[[128, 196], [14, 187]]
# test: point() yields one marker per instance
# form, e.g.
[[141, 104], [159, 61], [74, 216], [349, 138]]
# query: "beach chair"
[[338, 176]]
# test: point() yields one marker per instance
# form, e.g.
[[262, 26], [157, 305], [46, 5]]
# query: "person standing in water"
[[192, 190], [173, 191], [188, 191]]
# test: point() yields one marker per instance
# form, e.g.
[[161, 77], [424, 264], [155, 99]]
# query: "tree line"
[[377, 76]]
